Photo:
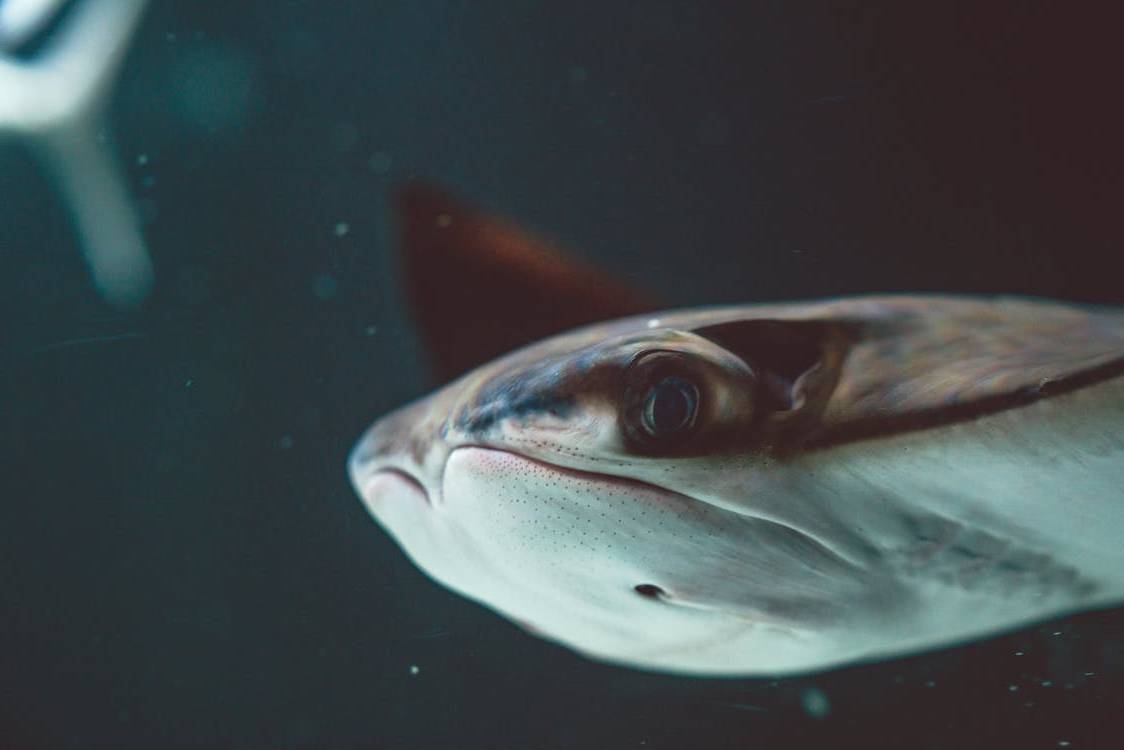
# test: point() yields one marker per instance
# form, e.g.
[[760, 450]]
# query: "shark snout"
[[403, 443]]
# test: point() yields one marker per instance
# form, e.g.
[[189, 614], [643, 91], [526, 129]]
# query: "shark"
[[748, 490]]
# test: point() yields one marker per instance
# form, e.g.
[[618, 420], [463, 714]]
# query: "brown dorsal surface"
[[864, 366], [479, 287], [919, 361]]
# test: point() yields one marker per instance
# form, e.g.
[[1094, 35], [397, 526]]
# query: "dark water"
[[182, 562]]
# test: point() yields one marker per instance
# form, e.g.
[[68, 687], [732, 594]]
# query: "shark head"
[[593, 487], [761, 489]]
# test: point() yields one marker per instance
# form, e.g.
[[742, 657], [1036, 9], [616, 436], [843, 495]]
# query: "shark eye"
[[662, 400], [670, 408]]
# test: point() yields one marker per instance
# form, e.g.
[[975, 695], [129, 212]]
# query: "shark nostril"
[[392, 485], [649, 591]]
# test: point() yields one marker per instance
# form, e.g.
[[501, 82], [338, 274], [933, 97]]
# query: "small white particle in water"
[[654, 323], [1013, 688], [371, 330], [190, 382], [444, 221], [286, 442], [142, 159], [324, 286], [1057, 632], [1047, 683], [414, 669], [1063, 743], [341, 228], [815, 703], [1018, 653], [1090, 674]]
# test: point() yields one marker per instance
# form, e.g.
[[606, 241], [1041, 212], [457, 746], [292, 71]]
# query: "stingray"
[[755, 489]]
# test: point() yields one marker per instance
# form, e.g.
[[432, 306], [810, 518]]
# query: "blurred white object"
[[22, 19], [55, 101]]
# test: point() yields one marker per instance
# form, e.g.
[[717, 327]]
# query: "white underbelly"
[[1048, 477]]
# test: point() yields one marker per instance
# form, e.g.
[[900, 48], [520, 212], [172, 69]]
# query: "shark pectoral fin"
[[480, 287]]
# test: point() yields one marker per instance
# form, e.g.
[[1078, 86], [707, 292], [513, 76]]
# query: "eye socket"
[[670, 407], [661, 402]]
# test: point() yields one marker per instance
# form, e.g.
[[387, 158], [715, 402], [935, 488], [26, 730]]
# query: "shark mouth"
[[500, 459]]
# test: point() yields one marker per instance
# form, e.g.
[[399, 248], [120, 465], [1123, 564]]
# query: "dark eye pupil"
[[670, 407]]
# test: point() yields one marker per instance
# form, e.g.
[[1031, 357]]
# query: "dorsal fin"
[[479, 287]]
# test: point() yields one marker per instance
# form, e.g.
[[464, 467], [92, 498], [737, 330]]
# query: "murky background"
[[182, 562]]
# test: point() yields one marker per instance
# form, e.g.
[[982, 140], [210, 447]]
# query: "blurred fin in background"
[[479, 286], [55, 100]]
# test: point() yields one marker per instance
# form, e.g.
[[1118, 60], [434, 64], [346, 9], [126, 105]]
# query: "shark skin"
[[772, 489]]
